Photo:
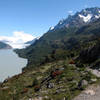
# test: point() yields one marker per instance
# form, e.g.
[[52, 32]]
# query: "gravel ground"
[[91, 93]]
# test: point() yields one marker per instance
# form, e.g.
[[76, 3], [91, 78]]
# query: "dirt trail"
[[92, 92]]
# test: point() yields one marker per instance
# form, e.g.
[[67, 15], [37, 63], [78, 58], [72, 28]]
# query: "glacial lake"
[[10, 64]]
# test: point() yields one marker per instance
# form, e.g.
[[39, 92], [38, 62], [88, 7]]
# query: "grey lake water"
[[10, 64]]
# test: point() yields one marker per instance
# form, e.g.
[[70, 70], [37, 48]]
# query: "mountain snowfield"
[[18, 39], [79, 18], [86, 18]]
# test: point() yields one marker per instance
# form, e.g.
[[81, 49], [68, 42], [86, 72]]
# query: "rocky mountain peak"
[[79, 18]]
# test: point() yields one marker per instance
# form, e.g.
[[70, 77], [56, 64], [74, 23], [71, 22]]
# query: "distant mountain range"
[[4, 46], [79, 18]]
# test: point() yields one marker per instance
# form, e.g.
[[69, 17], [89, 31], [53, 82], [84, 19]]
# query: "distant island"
[[4, 46]]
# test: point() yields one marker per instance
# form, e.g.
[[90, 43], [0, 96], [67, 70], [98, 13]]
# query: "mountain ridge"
[[4, 46], [79, 18]]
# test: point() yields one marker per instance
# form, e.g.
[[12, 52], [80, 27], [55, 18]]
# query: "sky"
[[35, 17]]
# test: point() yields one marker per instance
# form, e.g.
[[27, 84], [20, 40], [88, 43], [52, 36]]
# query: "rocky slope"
[[57, 81]]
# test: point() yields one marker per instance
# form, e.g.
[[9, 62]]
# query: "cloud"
[[18, 39]]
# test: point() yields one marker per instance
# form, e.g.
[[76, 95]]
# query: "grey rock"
[[84, 83], [50, 85]]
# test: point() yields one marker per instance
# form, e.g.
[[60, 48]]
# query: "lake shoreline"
[[14, 64]]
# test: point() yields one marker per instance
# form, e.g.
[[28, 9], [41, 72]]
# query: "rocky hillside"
[[58, 80]]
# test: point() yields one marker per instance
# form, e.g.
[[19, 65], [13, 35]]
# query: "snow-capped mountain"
[[78, 19]]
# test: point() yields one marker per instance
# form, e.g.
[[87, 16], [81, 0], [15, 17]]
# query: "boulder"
[[50, 85], [82, 84]]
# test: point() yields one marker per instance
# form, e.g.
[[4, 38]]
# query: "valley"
[[60, 62]]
